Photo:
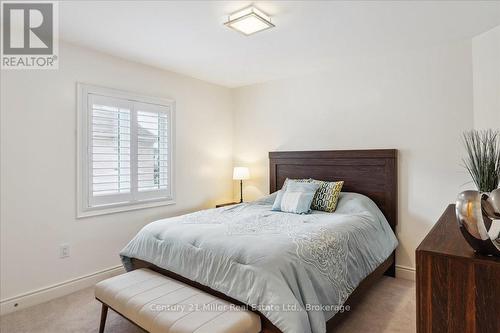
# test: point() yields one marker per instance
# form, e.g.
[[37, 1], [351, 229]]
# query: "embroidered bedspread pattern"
[[294, 269]]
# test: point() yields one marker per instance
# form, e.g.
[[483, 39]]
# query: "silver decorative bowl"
[[478, 217]]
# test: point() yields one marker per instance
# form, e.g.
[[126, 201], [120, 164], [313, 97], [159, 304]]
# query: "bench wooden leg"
[[104, 314]]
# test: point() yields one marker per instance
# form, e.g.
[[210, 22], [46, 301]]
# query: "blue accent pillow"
[[277, 201], [297, 198]]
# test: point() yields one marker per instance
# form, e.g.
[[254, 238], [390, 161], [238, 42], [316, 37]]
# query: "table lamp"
[[241, 173]]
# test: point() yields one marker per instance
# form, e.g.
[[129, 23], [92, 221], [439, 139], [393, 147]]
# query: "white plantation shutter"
[[110, 142], [152, 149], [126, 154]]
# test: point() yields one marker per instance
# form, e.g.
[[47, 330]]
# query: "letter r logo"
[[28, 28]]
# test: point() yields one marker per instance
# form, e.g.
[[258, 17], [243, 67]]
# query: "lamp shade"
[[241, 173]]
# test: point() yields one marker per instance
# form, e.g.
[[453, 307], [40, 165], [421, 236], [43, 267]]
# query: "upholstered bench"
[[159, 304]]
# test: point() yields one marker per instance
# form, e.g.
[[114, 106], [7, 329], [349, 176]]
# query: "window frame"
[[84, 195]]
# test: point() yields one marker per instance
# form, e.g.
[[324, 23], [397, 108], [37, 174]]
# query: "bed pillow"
[[300, 180], [327, 195], [279, 195], [277, 201], [297, 198]]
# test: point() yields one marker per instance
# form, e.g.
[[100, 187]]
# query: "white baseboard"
[[42, 295], [404, 272]]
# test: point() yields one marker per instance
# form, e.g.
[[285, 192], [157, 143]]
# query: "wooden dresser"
[[457, 290]]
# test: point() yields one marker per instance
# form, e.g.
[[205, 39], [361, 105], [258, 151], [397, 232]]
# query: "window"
[[125, 151]]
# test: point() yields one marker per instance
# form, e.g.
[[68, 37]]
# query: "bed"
[[298, 272]]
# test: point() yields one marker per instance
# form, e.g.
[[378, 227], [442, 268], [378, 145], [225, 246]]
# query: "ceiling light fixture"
[[249, 21]]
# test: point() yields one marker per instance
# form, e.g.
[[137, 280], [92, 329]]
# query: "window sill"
[[111, 209]]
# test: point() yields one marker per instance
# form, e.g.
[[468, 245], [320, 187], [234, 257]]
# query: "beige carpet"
[[388, 307]]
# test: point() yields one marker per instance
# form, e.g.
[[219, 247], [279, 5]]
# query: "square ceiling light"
[[249, 21]]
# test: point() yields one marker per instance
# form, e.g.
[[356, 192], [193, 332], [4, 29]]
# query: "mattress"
[[297, 270]]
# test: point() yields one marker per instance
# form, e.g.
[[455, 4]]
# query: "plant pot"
[[476, 214]]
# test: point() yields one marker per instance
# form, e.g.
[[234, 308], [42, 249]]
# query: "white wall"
[[418, 102], [486, 76], [38, 165]]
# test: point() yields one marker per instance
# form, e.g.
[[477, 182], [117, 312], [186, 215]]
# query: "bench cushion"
[[160, 304]]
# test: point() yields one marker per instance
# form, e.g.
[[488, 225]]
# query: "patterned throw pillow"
[[327, 195]]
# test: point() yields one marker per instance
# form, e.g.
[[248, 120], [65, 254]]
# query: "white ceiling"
[[188, 37]]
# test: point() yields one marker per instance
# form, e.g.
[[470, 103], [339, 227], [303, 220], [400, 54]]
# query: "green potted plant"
[[478, 212], [483, 158]]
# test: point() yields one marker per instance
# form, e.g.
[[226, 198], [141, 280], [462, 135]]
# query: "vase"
[[478, 216]]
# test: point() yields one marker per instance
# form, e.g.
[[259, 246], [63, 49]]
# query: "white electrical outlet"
[[63, 251]]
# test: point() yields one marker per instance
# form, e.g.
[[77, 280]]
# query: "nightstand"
[[226, 204]]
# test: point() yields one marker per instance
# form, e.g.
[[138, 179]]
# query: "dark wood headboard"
[[369, 172]]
